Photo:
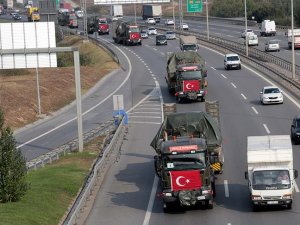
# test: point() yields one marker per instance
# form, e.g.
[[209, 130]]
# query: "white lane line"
[[149, 109], [226, 189], [151, 117], [244, 97], [143, 122], [223, 76], [233, 85], [228, 223], [144, 112], [254, 110], [213, 68], [266, 128], [296, 187]]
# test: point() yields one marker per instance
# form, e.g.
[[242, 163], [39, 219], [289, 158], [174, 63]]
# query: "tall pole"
[[293, 42], [134, 13], [207, 25], [174, 26], [180, 14], [246, 28]]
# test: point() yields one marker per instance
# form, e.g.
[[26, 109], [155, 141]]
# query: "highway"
[[129, 193]]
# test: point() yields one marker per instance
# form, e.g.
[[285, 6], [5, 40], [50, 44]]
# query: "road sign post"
[[194, 6]]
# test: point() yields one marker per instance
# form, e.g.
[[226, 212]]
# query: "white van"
[[268, 28], [232, 61], [252, 40]]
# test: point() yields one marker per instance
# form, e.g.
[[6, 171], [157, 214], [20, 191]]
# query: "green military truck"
[[186, 76]]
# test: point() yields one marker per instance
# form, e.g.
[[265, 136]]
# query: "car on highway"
[[169, 22], [232, 61], [150, 21], [272, 45], [161, 39], [295, 130], [247, 32], [183, 26], [152, 31], [170, 35], [16, 16], [144, 34], [271, 95]]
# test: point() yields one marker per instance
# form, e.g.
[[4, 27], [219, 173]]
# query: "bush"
[[12, 166], [67, 59]]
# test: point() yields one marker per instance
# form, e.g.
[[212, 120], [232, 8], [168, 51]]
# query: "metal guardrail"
[[77, 214]]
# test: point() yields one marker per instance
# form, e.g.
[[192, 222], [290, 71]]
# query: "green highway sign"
[[194, 6]]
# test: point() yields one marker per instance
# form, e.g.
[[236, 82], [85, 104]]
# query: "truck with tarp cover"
[[126, 32], [187, 146], [186, 76]]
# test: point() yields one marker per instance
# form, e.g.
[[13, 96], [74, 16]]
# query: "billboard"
[[116, 2], [27, 36]]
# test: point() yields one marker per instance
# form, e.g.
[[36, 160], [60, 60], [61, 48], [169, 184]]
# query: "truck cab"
[[103, 27]]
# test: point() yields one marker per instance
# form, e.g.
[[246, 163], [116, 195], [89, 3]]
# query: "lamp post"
[[207, 25], [293, 41], [174, 26], [246, 28]]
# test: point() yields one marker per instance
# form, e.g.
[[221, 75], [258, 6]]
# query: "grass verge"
[[52, 189]]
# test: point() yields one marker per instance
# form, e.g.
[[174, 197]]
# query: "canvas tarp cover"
[[177, 58], [191, 123]]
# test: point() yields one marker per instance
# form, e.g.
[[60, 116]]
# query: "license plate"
[[272, 202], [201, 197]]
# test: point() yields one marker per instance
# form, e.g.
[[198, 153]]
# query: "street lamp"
[[174, 27], [293, 41], [246, 36], [207, 26]]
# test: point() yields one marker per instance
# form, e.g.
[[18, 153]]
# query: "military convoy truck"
[[126, 32], [188, 43], [186, 76], [92, 24], [66, 19], [103, 27], [186, 146]]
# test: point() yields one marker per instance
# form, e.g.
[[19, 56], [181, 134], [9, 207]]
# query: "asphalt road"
[[129, 194]]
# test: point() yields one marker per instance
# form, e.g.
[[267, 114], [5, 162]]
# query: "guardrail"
[[77, 213]]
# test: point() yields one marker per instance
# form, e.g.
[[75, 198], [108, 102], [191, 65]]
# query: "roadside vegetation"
[[52, 189], [278, 10]]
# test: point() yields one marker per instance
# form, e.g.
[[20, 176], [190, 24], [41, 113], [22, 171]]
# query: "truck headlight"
[[287, 196], [256, 197], [167, 194]]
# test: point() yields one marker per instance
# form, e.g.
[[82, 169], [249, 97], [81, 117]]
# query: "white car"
[[248, 32], [270, 95], [272, 45], [232, 61], [152, 31], [150, 21], [144, 34], [183, 26], [169, 22], [170, 35]]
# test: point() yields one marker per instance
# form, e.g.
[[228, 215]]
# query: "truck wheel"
[[202, 99], [179, 100], [167, 207], [289, 206], [209, 204], [255, 208]]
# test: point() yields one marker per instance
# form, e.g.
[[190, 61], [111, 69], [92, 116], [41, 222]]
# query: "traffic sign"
[[194, 6]]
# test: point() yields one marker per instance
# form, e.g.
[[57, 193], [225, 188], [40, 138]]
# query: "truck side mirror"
[[246, 175], [295, 174], [292, 126]]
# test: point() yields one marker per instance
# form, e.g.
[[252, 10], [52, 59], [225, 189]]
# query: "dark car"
[[17, 16], [295, 130], [161, 39]]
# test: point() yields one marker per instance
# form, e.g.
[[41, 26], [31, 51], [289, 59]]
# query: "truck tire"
[[209, 204], [168, 207], [202, 99], [179, 100], [289, 206]]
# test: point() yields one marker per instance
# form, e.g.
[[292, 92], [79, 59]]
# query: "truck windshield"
[[191, 47], [185, 161], [134, 30], [190, 75], [271, 180]]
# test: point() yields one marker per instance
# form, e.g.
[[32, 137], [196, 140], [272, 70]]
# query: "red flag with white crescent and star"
[[191, 85], [185, 180]]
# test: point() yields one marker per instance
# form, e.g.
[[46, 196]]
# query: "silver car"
[[272, 45], [170, 35], [152, 31]]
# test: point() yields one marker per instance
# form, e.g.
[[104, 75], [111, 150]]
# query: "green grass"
[[52, 190]]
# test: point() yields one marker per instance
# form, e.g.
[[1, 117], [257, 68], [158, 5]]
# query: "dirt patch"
[[18, 91]]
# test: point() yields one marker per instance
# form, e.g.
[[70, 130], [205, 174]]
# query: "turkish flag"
[[191, 85], [185, 180]]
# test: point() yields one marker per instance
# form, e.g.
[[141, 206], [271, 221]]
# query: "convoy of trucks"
[[126, 32], [188, 43], [103, 27], [270, 172], [185, 145], [67, 19], [268, 28], [152, 11], [296, 38], [33, 14], [186, 76]]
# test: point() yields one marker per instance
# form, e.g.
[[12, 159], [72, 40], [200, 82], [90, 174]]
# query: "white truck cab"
[[270, 172], [268, 28]]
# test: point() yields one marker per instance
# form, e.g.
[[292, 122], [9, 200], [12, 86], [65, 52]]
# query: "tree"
[[12, 166]]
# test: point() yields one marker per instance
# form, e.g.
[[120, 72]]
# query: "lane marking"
[[254, 110], [150, 117], [223, 76], [243, 96], [226, 189], [213, 68], [143, 122], [233, 85], [296, 187], [150, 109], [266, 128]]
